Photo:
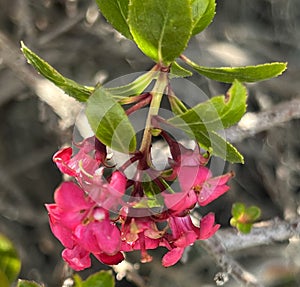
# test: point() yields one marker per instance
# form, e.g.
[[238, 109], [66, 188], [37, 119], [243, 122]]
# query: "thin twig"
[[216, 248], [229, 240], [61, 28], [253, 123], [263, 233], [64, 106]]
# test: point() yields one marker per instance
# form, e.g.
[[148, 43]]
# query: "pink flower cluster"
[[106, 214]]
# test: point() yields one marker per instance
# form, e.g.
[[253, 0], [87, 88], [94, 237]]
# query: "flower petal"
[[172, 257], [180, 201], [207, 226], [187, 175], [62, 159], [71, 197], [203, 174], [186, 239], [118, 183], [210, 192], [62, 233], [77, 258], [108, 236], [110, 259], [86, 238]]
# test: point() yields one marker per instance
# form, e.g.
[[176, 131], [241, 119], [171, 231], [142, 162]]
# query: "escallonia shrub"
[[104, 209]]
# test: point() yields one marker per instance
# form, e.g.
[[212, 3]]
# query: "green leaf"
[[203, 12], [109, 122], [230, 107], [243, 218], [177, 106], [218, 146], [135, 87], [217, 113], [242, 74], [10, 263], [116, 13], [153, 194], [253, 213], [237, 209], [233, 222], [212, 141], [77, 280], [161, 29], [204, 120], [100, 279], [178, 71], [25, 283], [244, 227], [70, 87]]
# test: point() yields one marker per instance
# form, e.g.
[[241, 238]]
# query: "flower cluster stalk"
[[157, 94]]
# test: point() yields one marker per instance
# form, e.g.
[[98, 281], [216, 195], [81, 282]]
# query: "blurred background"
[[74, 38]]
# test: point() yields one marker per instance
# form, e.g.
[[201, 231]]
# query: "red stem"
[[145, 100]]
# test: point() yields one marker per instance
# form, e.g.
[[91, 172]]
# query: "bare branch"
[[263, 233], [253, 123], [64, 106], [215, 247]]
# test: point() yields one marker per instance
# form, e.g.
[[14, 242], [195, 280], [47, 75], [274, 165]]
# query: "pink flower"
[[77, 258], [110, 259], [108, 195], [86, 160], [83, 228], [183, 157], [100, 235], [140, 233], [207, 226], [180, 202], [185, 233], [92, 217], [68, 212], [207, 187]]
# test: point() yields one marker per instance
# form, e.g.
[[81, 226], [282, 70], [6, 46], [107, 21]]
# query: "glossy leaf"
[[205, 119], [161, 29], [116, 13], [244, 227], [152, 191], [253, 213], [178, 71], [77, 280], [109, 122], [230, 108], [25, 283], [214, 143], [203, 12], [242, 74], [218, 146], [10, 263], [70, 87], [243, 218], [217, 113], [135, 87], [177, 106], [100, 279], [238, 209], [209, 140]]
